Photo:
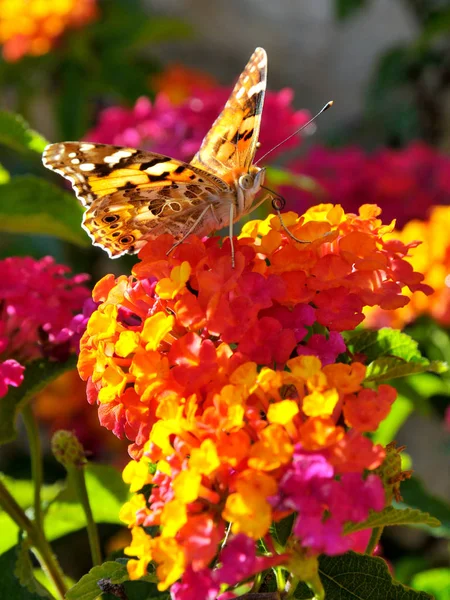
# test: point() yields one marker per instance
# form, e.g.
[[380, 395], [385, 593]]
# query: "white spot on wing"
[[87, 167], [86, 147], [255, 89]]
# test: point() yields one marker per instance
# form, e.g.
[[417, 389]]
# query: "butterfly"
[[132, 195]]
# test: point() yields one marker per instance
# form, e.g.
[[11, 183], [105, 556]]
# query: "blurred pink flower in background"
[[403, 183], [38, 302], [177, 130]]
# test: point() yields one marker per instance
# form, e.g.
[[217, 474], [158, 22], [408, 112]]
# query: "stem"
[[281, 582], [43, 550], [77, 476], [34, 442], [374, 539], [11, 507]]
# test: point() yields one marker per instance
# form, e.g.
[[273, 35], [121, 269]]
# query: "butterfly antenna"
[[322, 110]]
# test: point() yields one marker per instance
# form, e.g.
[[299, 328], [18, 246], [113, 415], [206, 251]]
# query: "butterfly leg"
[[191, 229]]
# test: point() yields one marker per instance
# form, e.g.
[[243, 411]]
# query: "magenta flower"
[[325, 348], [38, 301], [403, 183], [195, 585], [325, 503], [11, 374], [239, 561], [178, 130]]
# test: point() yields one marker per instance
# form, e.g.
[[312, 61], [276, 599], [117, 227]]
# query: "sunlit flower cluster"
[[431, 256], [38, 306], [237, 392], [177, 129], [403, 183], [32, 27]]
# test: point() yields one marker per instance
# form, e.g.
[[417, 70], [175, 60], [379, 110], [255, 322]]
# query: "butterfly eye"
[[246, 182]]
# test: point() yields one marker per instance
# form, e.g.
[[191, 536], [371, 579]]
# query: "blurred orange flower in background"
[[32, 27], [431, 257], [177, 82]]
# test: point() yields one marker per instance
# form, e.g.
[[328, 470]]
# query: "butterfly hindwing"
[[131, 194], [231, 141]]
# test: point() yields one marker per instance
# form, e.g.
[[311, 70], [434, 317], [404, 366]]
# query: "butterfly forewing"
[[132, 194], [231, 141]]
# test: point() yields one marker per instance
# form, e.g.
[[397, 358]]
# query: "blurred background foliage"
[[64, 63]]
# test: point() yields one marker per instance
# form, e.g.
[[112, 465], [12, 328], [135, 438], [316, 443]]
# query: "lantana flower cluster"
[[240, 399], [33, 27], [431, 256], [177, 129], [39, 303], [404, 183]]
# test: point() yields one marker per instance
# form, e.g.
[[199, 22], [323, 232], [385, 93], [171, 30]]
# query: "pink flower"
[[195, 585], [239, 561], [325, 503], [325, 348], [11, 373], [38, 301], [178, 130], [403, 183]]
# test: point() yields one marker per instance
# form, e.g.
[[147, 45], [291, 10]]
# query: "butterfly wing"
[[133, 195], [231, 141]]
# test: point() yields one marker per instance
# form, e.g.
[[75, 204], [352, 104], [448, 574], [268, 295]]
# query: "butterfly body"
[[132, 195]]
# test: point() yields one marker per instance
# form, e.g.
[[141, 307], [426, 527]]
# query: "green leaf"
[[24, 571], [10, 585], [87, 588], [38, 374], [389, 353], [390, 426], [115, 573], [107, 493], [393, 516], [355, 576], [382, 342], [391, 367], [282, 530], [435, 582], [29, 204], [17, 134], [416, 496]]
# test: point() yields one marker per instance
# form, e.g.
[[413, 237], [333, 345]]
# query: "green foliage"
[[393, 516], [282, 530], [22, 490], [416, 496], [24, 571], [15, 133], [435, 582], [11, 588], [355, 576], [113, 573], [64, 514], [29, 204], [389, 353], [107, 493], [38, 375]]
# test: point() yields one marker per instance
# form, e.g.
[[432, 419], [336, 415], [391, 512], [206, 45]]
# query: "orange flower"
[[34, 26]]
